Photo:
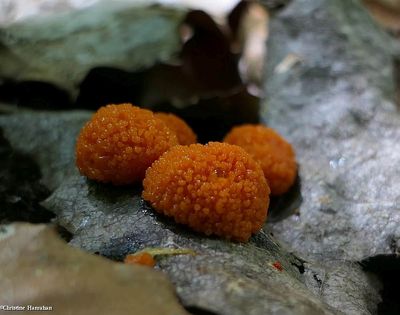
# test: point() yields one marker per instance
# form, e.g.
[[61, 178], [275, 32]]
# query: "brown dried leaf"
[[387, 13], [249, 26], [38, 268]]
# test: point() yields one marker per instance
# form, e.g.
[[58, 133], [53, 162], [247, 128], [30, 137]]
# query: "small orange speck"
[[144, 259], [277, 265]]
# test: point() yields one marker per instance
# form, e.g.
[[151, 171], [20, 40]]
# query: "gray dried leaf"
[[337, 108], [49, 137], [61, 46], [223, 277], [344, 286]]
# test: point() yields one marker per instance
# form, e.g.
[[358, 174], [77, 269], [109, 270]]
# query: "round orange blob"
[[184, 133], [120, 142], [215, 189], [275, 155]]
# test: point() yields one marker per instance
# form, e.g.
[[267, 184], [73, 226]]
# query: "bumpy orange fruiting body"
[[215, 189], [275, 155], [120, 142], [184, 133]]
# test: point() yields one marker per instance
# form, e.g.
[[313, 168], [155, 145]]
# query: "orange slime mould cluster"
[[120, 142], [215, 189], [275, 155], [218, 189], [182, 130]]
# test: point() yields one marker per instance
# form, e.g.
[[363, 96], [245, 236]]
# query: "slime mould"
[[120, 142], [144, 259], [182, 130], [275, 155], [216, 189]]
